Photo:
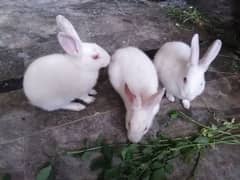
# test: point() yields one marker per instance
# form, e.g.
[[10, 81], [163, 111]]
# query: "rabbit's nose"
[[134, 138]]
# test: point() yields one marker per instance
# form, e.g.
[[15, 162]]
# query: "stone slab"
[[28, 28]]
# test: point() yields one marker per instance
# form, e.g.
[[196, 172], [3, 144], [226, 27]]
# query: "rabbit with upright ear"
[[180, 70], [52, 82], [134, 77]]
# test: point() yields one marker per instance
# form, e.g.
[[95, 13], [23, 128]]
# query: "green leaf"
[[204, 131], [6, 177], [127, 152], [132, 177], [169, 168], [163, 154], [85, 156], [158, 174], [147, 151], [144, 166], [112, 173], [99, 141], [44, 173], [107, 152], [133, 147], [213, 127], [146, 175], [124, 153], [182, 143], [157, 165], [189, 153], [201, 140], [98, 163], [174, 114]]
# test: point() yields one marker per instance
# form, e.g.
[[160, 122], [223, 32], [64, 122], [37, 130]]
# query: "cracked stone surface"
[[29, 28], [30, 137]]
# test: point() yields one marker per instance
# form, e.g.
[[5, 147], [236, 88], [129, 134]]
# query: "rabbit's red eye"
[[95, 57], [185, 80]]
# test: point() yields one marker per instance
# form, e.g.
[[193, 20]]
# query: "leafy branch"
[[152, 160], [187, 15]]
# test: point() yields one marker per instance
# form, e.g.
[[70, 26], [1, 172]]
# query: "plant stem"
[[192, 120], [84, 150], [94, 148]]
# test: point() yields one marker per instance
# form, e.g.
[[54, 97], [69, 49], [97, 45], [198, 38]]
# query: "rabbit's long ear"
[[132, 98], [69, 44], [211, 54], [64, 25], [155, 98], [195, 50]]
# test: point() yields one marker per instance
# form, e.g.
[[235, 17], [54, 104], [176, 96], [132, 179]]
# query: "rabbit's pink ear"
[[64, 25], [211, 54], [195, 49], [68, 43], [155, 98], [133, 99]]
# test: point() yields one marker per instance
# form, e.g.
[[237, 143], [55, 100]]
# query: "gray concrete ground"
[[29, 137]]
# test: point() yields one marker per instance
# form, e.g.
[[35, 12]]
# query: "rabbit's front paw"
[[186, 103], [92, 92], [74, 106], [87, 99], [170, 97]]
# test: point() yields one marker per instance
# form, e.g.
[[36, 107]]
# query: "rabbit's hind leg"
[[92, 92], [87, 99], [73, 106]]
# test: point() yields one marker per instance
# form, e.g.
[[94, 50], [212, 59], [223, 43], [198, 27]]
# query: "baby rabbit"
[[134, 77], [180, 70], [52, 82]]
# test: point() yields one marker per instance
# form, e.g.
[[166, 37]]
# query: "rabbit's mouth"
[[104, 64], [186, 95], [189, 96], [183, 92]]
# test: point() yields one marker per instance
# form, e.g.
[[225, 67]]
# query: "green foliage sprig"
[[152, 160], [189, 15]]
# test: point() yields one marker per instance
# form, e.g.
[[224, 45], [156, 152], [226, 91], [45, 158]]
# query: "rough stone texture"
[[12, 155], [29, 28], [227, 14], [48, 134], [223, 8], [30, 137], [219, 163]]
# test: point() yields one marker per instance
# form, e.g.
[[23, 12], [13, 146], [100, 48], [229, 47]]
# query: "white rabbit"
[[134, 77], [52, 82], [180, 70]]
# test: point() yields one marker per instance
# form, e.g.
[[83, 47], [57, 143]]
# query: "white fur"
[[130, 68], [52, 82], [176, 60]]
